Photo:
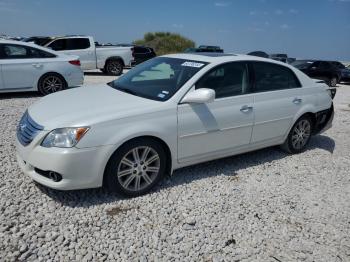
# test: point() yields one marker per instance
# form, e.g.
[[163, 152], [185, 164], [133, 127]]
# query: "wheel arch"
[[305, 112], [114, 58], [51, 73], [169, 159]]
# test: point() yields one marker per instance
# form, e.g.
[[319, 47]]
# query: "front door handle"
[[246, 109], [297, 100]]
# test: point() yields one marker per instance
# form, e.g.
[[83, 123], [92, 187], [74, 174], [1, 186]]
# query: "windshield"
[[158, 78]]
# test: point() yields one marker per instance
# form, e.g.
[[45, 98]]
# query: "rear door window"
[[59, 45], [270, 77], [78, 43], [70, 44], [10, 51]]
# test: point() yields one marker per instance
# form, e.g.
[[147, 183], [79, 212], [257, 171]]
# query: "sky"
[[318, 29]]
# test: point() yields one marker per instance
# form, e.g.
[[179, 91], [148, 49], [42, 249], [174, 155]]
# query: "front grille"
[[27, 129]]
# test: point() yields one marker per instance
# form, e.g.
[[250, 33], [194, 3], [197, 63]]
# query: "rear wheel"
[[299, 136], [136, 167], [333, 81], [51, 83], [114, 67]]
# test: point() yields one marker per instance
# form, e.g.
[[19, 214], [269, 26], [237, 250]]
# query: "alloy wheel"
[[138, 168], [114, 67], [333, 81], [52, 84], [301, 134]]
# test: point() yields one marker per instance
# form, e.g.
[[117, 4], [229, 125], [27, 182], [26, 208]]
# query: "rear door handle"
[[297, 100], [37, 65], [246, 109]]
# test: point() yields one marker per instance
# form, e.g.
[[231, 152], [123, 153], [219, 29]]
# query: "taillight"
[[75, 62]]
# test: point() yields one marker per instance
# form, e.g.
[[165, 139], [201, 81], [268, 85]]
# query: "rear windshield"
[[158, 78]]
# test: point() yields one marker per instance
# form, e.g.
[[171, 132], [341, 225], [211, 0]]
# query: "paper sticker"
[[165, 92], [192, 64], [161, 95]]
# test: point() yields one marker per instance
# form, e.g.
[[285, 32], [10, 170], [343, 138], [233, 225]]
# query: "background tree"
[[165, 42]]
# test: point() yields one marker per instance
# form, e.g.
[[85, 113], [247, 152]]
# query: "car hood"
[[88, 105]]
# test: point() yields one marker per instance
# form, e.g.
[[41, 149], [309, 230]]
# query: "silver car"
[[29, 67]]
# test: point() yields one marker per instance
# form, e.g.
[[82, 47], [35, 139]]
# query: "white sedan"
[[167, 113], [29, 67]]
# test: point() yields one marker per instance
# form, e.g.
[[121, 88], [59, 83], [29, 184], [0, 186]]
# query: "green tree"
[[165, 42]]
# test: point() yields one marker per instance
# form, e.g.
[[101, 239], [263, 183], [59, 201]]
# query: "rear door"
[[278, 97], [79, 46], [206, 130]]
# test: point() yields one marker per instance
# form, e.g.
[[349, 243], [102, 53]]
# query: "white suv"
[[167, 113]]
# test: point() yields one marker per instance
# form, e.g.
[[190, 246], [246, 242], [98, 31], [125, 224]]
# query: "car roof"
[[30, 45], [222, 58]]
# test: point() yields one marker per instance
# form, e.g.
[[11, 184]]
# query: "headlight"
[[64, 137]]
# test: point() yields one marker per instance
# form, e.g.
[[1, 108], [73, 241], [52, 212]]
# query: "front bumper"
[[79, 168]]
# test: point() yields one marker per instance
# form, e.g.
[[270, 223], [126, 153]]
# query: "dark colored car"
[[259, 54], [39, 40], [204, 49], [345, 71], [279, 57], [142, 54], [323, 70]]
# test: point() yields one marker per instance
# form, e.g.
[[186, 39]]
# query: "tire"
[[114, 67], [127, 172], [51, 83], [333, 81], [299, 136]]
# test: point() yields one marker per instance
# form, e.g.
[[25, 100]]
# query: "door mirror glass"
[[199, 96]]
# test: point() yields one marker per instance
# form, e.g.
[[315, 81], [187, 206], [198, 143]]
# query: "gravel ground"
[[261, 206]]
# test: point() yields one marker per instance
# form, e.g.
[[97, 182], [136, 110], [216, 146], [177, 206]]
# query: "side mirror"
[[199, 96]]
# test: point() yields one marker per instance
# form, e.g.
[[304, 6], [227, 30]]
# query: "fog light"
[[56, 177]]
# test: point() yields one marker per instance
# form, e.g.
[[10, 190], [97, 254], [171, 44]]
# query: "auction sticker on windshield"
[[192, 64]]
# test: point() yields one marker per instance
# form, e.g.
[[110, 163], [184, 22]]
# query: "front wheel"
[[299, 136], [136, 167]]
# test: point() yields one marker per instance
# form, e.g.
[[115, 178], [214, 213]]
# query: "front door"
[[211, 129]]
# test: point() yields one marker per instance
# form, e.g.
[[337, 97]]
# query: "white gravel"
[[261, 206]]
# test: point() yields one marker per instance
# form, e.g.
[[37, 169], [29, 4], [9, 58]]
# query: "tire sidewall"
[[111, 181], [290, 144], [331, 80], [111, 73], [42, 78]]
